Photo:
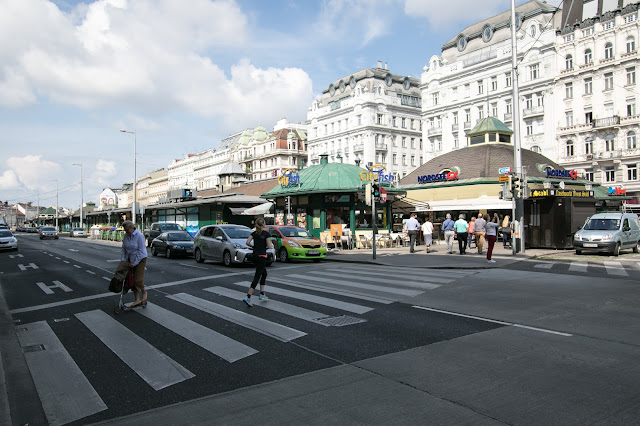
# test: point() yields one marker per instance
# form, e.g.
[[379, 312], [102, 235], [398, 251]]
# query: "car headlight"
[[239, 246], [292, 244], [607, 237], [578, 237]]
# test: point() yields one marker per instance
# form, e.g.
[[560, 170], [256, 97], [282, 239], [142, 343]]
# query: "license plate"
[[313, 252], [590, 245]]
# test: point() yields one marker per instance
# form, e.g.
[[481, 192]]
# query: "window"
[[540, 98], [413, 143], [404, 123], [395, 159], [632, 172], [480, 112], [568, 62], [631, 76], [529, 128], [631, 107], [532, 31], [587, 32], [631, 44], [631, 140], [534, 71], [404, 142], [588, 57], [588, 86], [359, 120], [413, 160], [455, 141], [494, 84], [610, 174], [609, 143], [394, 122], [395, 141], [467, 113], [608, 25], [536, 148], [404, 160], [379, 118], [569, 37], [455, 118], [435, 98], [608, 81], [508, 106], [568, 91], [467, 90], [480, 87], [507, 77], [454, 94], [569, 148], [630, 18], [608, 51], [568, 115], [588, 117], [528, 101], [588, 146], [494, 109]]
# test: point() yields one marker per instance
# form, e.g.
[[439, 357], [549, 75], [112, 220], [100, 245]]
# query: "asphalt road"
[[196, 337]]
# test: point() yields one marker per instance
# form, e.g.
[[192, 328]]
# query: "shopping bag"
[[115, 285], [130, 280]]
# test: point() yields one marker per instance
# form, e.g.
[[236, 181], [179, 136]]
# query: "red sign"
[[383, 195]]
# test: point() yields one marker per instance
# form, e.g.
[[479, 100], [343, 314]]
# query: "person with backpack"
[[260, 239]]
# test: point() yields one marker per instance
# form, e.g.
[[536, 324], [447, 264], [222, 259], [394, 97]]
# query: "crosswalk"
[[614, 268], [322, 298]]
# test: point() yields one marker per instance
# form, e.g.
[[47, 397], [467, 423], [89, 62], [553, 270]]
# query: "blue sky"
[[184, 75]]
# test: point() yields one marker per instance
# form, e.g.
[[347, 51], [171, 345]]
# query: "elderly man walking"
[[448, 226], [412, 226], [479, 228]]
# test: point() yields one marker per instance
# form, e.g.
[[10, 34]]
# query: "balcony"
[[566, 70], [434, 131], [358, 148], [601, 123], [630, 119], [626, 55], [467, 125], [381, 146], [508, 117], [454, 127], [604, 61], [584, 66], [576, 128], [533, 111]]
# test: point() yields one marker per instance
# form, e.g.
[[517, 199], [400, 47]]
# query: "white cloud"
[[9, 180], [104, 172], [453, 19], [32, 171]]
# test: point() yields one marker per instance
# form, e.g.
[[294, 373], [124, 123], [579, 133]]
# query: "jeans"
[[506, 239], [412, 238], [492, 241], [462, 242], [448, 239]]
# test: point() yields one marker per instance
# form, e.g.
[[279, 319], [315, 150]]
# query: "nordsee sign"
[[438, 177], [562, 173]]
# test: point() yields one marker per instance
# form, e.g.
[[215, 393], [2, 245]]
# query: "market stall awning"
[[263, 208], [470, 204]]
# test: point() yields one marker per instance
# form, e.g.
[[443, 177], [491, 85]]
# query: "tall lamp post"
[[135, 177], [56, 180], [81, 194]]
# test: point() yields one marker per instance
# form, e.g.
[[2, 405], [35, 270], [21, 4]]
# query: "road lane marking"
[[13, 256], [77, 266], [72, 250], [66, 261], [57, 258], [153, 366], [64, 391], [615, 268], [543, 265], [106, 278], [48, 289], [403, 283], [209, 340], [345, 292], [400, 291], [90, 272], [25, 267], [404, 272], [427, 275], [268, 328], [194, 266], [578, 266], [544, 330]]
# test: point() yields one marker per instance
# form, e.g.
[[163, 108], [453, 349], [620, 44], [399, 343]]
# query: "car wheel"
[[197, 255], [578, 251], [169, 254], [226, 258], [56, 237], [616, 250], [41, 238], [316, 260], [154, 252], [636, 248], [283, 255]]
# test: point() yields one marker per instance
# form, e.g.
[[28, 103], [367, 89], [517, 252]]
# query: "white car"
[[77, 232], [7, 240]]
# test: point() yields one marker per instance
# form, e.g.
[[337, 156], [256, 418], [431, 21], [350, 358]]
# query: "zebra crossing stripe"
[[153, 366], [373, 287], [318, 300], [578, 266], [322, 289], [64, 391], [212, 341], [404, 272], [274, 305], [272, 329], [420, 279], [403, 283], [543, 265], [616, 268]]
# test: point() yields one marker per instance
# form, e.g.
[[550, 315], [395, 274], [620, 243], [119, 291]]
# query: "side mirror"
[[219, 238]]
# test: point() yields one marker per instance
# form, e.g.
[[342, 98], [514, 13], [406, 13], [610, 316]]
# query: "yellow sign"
[[561, 193], [540, 193], [503, 178]]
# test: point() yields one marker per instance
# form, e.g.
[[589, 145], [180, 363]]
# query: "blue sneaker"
[[247, 301], [263, 297]]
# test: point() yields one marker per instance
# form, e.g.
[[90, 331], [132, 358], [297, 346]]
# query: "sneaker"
[[491, 261], [247, 301], [263, 297]]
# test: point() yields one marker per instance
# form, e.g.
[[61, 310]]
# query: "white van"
[[610, 232]]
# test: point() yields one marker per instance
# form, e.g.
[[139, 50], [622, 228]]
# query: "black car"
[[175, 243]]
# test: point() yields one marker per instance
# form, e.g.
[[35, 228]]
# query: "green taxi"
[[292, 242]]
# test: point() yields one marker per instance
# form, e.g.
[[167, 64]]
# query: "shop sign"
[[504, 170], [289, 177], [376, 172], [503, 178], [537, 193], [617, 191], [562, 173], [438, 178]]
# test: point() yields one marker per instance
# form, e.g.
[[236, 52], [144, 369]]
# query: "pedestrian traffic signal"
[[516, 187], [376, 190]]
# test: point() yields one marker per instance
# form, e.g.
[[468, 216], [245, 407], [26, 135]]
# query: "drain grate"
[[34, 348], [341, 321]]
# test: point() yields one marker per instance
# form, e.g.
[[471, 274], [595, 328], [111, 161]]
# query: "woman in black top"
[[261, 242]]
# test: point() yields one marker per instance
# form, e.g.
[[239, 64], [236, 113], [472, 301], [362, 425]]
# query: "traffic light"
[[376, 190], [516, 186]]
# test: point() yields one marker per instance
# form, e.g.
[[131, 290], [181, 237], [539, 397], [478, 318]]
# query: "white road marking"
[[372, 287], [578, 266], [72, 250], [13, 256], [345, 292], [64, 391], [106, 278], [544, 330], [77, 266], [543, 265], [153, 366], [48, 289], [91, 272], [57, 258], [193, 266], [403, 283], [25, 267], [66, 261], [615, 268]]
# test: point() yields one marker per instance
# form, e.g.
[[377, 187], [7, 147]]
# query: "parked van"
[[609, 232]]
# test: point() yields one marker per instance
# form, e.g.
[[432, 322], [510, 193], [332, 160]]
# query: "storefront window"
[[316, 219], [337, 215], [302, 218]]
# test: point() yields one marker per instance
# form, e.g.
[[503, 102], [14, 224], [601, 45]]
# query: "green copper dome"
[[260, 133]]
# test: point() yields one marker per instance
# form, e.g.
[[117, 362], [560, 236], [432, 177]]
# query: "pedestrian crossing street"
[[353, 291], [613, 267]]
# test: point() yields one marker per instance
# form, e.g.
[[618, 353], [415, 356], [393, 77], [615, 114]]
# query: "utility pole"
[[81, 193], [56, 203]]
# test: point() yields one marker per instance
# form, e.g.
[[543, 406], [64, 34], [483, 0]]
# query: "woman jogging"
[[261, 242]]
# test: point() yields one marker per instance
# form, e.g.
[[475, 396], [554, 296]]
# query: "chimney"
[[324, 159], [386, 66], [379, 65]]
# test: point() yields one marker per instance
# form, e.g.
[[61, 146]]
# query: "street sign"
[[504, 178], [383, 195], [504, 170]]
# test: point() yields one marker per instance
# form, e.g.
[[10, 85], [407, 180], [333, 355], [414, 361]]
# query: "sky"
[[183, 75]]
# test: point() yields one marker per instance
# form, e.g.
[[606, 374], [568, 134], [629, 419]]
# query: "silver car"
[[77, 232], [226, 244], [609, 232], [7, 240]]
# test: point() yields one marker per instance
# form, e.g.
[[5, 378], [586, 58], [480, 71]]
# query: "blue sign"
[[438, 178], [504, 170], [562, 173]]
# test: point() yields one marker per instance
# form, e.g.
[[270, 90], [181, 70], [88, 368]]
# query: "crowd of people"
[[480, 230]]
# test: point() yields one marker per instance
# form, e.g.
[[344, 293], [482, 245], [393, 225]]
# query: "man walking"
[[479, 228], [412, 226], [461, 227], [447, 227]]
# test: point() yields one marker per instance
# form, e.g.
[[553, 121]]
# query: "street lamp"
[[56, 180], [135, 177], [81, 193]]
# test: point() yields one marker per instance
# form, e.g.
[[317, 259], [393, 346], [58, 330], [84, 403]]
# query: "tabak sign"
[[562, 173], [617, 190], [440, 177], [377, 173], [289, 177]]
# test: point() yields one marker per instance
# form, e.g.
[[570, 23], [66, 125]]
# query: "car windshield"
[[179, 236], [171, 227], [48, 228], [602, 225], [78, 229], [4, 234], [236, 233], [295, 232]]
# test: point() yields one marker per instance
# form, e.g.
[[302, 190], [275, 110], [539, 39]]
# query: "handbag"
[[130, 280]]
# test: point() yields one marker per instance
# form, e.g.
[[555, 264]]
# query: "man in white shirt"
[[427, 232], [412, 227]]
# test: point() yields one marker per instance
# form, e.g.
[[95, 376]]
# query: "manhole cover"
[[341, 321], [33, 348]]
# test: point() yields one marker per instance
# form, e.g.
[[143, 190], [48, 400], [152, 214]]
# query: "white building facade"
[[367, 118], [472, 79]]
